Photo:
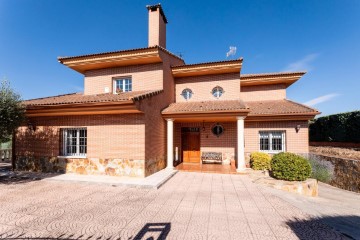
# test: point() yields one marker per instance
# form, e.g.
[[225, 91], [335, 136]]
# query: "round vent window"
[[187, 93], [217, 91], [217, 130]]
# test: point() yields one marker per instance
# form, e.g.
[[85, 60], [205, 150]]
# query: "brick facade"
[[296, 142], [134, 144], [202, 86], [263, 92], [144, 77]]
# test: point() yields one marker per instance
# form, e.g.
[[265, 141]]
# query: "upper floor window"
[[122, 85], [273, 141], [217, 91], [74, 141], [187, 93]]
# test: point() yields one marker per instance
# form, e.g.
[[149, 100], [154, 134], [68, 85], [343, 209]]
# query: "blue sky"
[[322, 37]]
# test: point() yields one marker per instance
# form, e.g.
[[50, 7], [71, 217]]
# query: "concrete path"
[[188, 206], [155, 180], [335, 207]]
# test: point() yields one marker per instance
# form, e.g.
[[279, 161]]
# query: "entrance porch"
[[207, 168], [206, 145]]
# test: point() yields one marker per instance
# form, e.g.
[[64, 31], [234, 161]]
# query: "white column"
[[170, 143], [240, 145]]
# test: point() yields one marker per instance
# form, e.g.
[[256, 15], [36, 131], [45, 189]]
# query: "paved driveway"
[[188, 206]]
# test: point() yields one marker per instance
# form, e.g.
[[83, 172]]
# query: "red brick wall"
[[107, 136], [203, 85], [157, 29], [295, 142], [144, 77], [263, 92], [155, 125], [226, 143]]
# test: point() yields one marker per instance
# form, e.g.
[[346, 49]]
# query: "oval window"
[[217, 130], [217, 91], [187, 93]]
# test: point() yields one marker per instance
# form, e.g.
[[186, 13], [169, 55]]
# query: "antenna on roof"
[[180, 54], [231, 52]]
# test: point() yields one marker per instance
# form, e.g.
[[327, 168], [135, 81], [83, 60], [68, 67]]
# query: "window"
[[187, 93], [217, 130], [272, 141], [217, 91], [122, 85], [74, 141]]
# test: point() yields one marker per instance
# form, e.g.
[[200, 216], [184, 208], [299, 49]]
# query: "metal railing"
[[5, 155]]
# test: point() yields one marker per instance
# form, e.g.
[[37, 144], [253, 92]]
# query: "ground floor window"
[[74, 141], [272, 141]]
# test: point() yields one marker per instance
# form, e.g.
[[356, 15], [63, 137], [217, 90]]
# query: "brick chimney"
[[157, 26]]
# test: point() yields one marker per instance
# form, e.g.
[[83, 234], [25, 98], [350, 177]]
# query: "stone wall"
[[84, 166], [346, 173]]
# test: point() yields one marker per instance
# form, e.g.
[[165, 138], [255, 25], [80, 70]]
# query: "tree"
[[12, 111]]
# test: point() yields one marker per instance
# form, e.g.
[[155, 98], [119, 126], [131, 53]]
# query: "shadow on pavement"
[[150, 231], [13, 177], [318, 227]]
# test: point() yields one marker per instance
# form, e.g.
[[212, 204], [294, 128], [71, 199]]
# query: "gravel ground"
[[350, 153]]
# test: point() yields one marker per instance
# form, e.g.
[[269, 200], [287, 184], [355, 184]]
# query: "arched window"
[[217, 129], [217, 91], [187, 93]]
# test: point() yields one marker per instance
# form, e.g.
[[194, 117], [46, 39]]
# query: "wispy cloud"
[[302, 64], [231, 52], [321, 99]]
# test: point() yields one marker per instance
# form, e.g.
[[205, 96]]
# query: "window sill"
[[271, 152], [78, 157]]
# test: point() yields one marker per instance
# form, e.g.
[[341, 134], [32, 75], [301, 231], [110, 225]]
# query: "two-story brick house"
[[145, 109]]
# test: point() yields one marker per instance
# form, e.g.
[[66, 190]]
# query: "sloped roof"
[[64, 58], [273, 107], [255, 75], [78, 98], [255, 108], [205, 106]]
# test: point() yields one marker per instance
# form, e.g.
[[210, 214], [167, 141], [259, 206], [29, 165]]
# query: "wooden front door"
[[190, 143]]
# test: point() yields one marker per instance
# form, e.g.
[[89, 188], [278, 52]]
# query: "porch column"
[[170, 143], [240, 145]]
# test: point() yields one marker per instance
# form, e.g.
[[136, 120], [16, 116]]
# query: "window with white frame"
[[272, 141], [74, 141], [122, 85]]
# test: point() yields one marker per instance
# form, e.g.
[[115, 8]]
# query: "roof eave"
[[262, 79], [82, 109], [232, 66]]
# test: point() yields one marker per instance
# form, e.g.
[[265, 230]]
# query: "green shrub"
[[260, 161], [291, 167], [321, 170]]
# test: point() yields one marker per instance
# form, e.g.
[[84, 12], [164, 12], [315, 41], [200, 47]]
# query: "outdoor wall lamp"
[[297, 128], [31, 127], [203, 127]]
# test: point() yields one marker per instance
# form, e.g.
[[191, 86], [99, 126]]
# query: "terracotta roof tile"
[[278, 107], [61, 59], [205, 106], [206, 63], [271, 74], [256, 107], [78, 98]]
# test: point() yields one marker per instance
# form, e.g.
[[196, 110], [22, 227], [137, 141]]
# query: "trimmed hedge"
[[342, 127], [291, 167], [260, 161]]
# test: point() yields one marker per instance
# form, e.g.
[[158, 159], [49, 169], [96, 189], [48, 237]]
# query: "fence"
[[5, 155]]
